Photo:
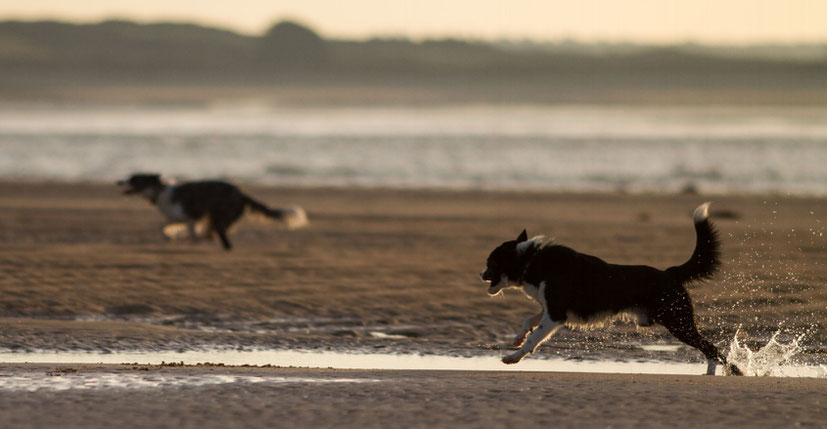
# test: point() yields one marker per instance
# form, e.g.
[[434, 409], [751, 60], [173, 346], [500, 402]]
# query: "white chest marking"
[[173, 211], [531, 291]]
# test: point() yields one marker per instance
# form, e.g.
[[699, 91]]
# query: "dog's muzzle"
[[493, 282], [129, 189], [488, 277]]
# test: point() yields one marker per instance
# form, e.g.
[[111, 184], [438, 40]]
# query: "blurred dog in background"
[[215, 203]]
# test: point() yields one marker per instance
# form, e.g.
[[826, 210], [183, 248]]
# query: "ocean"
[[710, 149]]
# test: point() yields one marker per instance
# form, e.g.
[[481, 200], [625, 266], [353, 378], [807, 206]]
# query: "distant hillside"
[[50, 54], [121, 48]]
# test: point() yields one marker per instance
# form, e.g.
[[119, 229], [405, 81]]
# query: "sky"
[[649, 21]]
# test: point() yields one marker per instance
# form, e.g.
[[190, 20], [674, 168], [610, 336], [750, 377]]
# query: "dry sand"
[[84, 268]]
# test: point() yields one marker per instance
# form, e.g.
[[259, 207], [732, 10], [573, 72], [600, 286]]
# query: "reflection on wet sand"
[[368, 361]]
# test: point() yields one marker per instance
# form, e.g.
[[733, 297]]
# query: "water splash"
[[775, 359]]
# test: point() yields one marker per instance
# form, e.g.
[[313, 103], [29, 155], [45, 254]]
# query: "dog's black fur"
[[582, 290], [221, 203]]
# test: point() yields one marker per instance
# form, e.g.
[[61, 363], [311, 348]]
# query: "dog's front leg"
[[528, 326], [163, 231], [535, 338], [191, 231]]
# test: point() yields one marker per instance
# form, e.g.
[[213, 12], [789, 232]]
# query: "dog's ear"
[[522, 237]]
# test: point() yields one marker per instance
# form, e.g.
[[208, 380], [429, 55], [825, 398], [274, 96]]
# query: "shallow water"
[[377, 361], [341, 360], [579, 148], [774, 359], [65, 380]]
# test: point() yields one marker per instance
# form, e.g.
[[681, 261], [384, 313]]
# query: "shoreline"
[[427, 94], [663, 363], [8, 184]]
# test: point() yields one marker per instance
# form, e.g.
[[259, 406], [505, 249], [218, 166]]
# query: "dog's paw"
[[512, 359], [731, 369], [518, 341]]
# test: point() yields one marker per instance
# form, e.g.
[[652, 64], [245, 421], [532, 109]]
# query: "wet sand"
[[84, 268], [290, 397]]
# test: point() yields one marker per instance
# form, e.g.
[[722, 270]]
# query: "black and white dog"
[[579, 290], [220, 204]]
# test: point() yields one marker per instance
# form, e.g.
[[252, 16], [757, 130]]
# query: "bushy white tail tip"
[[701, 213], [295, 217]]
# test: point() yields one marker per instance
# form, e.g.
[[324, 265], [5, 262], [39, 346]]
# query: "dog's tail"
[[293, 217], [706, 258]]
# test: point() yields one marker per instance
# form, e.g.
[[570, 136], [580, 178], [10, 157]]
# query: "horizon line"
[[427, 37]]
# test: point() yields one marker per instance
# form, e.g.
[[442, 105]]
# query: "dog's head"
[[142, 183], [504, 265]]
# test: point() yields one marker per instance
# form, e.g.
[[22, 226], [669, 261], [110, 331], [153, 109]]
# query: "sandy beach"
[[83, 268], [290, 397]]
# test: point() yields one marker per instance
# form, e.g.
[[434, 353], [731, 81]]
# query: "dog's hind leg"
[[221, 229], [220, 222], [222, 234], [691, 337], [528, 326], [222, 218], [679, 320]]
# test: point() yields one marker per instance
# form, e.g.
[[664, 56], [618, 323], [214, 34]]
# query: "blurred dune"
[[292, 63]]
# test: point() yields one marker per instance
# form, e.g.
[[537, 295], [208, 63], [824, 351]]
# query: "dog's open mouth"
[[494, 286], [493, 282]]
